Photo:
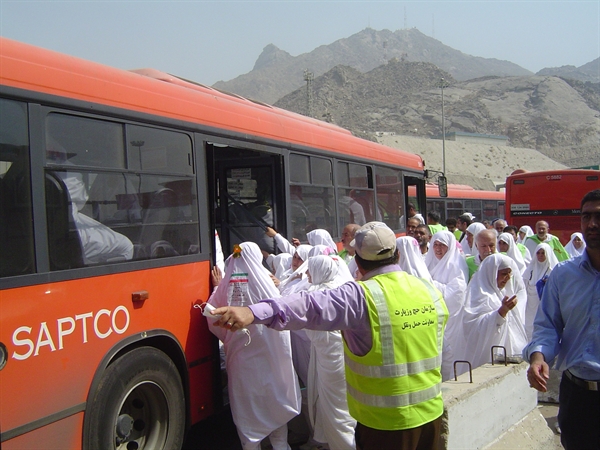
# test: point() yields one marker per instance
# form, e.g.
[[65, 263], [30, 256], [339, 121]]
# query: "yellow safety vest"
[[397, 384]]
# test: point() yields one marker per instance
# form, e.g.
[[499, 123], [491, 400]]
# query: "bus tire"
[[139, 404]]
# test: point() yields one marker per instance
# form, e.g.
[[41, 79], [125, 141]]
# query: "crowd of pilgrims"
[[491, 277]]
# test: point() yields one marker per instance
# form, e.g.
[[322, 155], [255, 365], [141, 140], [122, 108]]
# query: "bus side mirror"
[[443, 186]]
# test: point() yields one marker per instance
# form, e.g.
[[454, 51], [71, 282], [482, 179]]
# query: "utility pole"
[[443, 84], [309, 77]]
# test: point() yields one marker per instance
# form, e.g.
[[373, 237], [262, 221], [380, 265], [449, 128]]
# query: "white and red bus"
[[553, 196], [112, 184]]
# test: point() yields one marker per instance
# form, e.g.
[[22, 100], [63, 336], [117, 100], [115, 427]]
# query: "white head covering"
[[528, 232], [570, 248], [320, 249], [327, 272], [321, 236], [303, 251], [513, 252], [483, 297], [452, 265], [411, 259], [249, 274], [292, 281], [536, 270], [282, 263], [474, 228]]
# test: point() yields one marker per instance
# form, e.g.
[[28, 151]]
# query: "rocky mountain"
[[587, 72], [277, 73], [560, 118]]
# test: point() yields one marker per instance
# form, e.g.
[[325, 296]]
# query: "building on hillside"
[[474, 138]]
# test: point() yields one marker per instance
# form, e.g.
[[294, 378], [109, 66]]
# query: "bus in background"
[[484, 205], [553, 196], [112, 184]]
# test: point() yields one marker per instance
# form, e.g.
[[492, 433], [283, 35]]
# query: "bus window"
[[438, 207], [16, 230], [390, 196], [107, 216], [355, 194], [312, 205], [474, 207]]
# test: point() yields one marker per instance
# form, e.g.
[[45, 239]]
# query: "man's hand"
[[296, 242], [507, 305], [233, 318], [275, 280], [538, 372], [270, 232]]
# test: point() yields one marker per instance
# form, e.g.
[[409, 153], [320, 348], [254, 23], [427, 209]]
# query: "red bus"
[[554, 196], [112, 184], [484, 205]]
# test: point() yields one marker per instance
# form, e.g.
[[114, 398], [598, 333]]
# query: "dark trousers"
[[425, 437], [578, 416]]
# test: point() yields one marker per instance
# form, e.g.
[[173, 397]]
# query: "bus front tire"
[[139, 404]]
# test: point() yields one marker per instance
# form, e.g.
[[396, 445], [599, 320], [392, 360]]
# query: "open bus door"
[[414, 192], [247, 191]]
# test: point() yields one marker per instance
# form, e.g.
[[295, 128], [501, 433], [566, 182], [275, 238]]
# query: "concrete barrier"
[[479, 413]]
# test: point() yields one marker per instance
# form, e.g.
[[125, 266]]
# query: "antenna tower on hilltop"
[[405, 22], [309, 77]]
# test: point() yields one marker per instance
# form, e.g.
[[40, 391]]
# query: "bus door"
[[414, 192], [248, 194]]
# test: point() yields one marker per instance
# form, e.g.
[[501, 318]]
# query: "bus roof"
[[154, 92], [463, 191], [546, 173]]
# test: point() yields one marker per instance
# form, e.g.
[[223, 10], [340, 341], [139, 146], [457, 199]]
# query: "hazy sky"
[[207, 41]]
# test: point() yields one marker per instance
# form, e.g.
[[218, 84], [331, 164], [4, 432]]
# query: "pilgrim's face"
[[577, 242], [541, 228], [503, 246], [541, 255], [590, 224], [347, 237], [451, 228], [485, 246], [499, 225], [503, 277], [296, 261], [513, 234], [522, 235], [470, 238], [439, 249]]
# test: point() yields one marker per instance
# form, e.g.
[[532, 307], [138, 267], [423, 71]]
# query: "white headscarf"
[[282, 263], [327, 272], [411, 259], [258, 285], [570, 248], [452, 265], [513, 252], [528, 232], [321, 236], [474, 228], [483, 300], [536, 270], [288, 286]]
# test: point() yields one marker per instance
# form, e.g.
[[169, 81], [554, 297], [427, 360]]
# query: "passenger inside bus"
[[100, 243]]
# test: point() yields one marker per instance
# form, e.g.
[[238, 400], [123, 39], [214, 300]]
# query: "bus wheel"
[[139, 404]]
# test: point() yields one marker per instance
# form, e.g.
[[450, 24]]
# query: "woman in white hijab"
[[263, 388], [576, 245], [297, 270], [491, 315], [450, 273], [468, 244], [541, 265], [320, 236], [506, 244], [327, 403], [411, 259], [282, 263], [524, 232]]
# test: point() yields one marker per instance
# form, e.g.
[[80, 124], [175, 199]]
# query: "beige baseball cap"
[[374, 241]]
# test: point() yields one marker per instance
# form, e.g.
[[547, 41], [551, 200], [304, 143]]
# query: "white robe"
[[263, 388], [483, 325], [327, 401], [450, 275]]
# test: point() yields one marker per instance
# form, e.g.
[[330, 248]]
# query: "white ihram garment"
[[513, 252], [327, 402], [483, 325], [450, 275], [474, 228], [535, 271], [263, 388]]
